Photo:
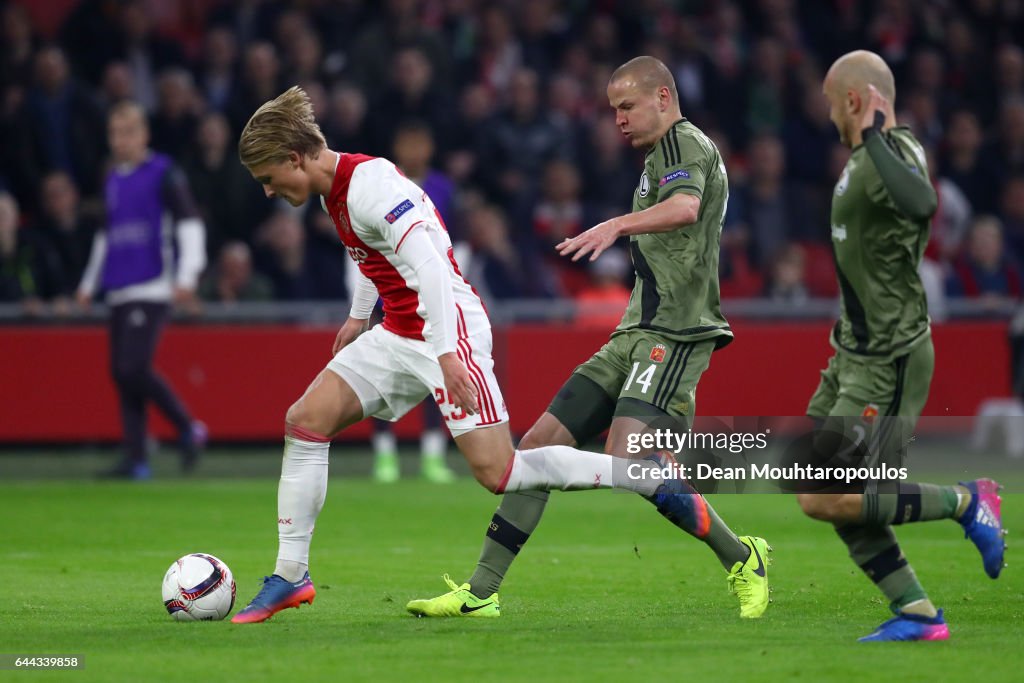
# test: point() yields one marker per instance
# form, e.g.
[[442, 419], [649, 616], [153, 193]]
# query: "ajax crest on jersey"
[[198, 587]]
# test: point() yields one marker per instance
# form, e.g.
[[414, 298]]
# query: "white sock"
[[300, 497], [433, 444], [561, 467], [384, 443]]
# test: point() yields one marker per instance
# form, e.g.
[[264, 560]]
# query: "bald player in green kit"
[[648, 371], [876, 384]]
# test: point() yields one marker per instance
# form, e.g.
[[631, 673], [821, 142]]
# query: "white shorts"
[[391, 375]]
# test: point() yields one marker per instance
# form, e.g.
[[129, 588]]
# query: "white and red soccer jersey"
[[375, 208]]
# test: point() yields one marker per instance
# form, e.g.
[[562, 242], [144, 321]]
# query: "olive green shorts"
[[635, 374]]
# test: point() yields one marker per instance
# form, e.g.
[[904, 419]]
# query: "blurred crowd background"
[[498, 109]]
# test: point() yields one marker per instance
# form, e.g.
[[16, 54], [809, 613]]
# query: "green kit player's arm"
[[908, 186], [677, 211]]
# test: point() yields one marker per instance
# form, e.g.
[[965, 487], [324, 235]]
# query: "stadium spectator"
[[985, 272], [304, 56], [67, 227], [260, 81], [962, 161], [396, 26], [228, 201], [1012, 216], [771, 213], [411, 94], [603, 300], [1007, 79], [217, 72], [518, 143], [118, 85], [542, 31], [495, 268], [413, 151], [952, 219], [558, 215], [174, 120], [232, 279], [1005, 152], [62, 124], [150, 254], [786, 282], [610, 170], [568, 110], [476, 107], [298, 271], [345, 125], [17, 46], [28, 267], [146, 53], [497, 55]]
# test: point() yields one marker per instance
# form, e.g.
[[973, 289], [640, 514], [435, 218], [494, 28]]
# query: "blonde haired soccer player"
[[435, 340]]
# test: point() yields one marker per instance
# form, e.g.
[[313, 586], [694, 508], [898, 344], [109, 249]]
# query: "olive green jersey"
[[878, 248], [676, 292]]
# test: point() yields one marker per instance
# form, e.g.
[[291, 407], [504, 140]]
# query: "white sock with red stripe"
[[300, 497], [568, 469]]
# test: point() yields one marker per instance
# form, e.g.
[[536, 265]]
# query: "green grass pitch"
[[605, 590]]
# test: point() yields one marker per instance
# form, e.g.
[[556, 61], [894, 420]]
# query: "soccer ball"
[[198, 587]]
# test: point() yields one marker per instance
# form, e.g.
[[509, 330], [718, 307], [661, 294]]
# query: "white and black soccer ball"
[[198, 587]]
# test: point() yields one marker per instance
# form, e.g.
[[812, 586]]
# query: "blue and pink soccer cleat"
[[277, 594], [983, 523], [909, 627]]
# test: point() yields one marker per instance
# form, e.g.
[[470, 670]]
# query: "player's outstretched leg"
[[983, 523], [458, 602], [744, 558], [975, 505]]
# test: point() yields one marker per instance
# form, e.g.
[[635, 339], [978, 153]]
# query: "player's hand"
[[457, 382], [876, 103], [352, 328], [593, 241], [83, 301], [185, 300]]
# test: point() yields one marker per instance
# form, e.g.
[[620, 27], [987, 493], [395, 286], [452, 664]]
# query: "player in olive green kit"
[[875, 386], [648, 370]]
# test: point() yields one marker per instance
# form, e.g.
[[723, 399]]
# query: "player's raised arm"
[[905, 179]]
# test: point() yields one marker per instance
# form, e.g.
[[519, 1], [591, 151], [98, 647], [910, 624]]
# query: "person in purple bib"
[[149, 254]]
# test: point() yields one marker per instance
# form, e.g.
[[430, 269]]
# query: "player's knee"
[[532, 439], [490, 478], [299, 415], [817, 506]]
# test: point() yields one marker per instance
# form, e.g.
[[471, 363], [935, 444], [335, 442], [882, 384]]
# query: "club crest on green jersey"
[[844, 180], [645, 185]]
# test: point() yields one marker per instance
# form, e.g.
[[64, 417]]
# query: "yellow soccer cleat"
[[458, 602], [749, 580]]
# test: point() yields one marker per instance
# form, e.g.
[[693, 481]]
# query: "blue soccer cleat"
[[983, 523], [909, 627], [677, 501], [277, 594]]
